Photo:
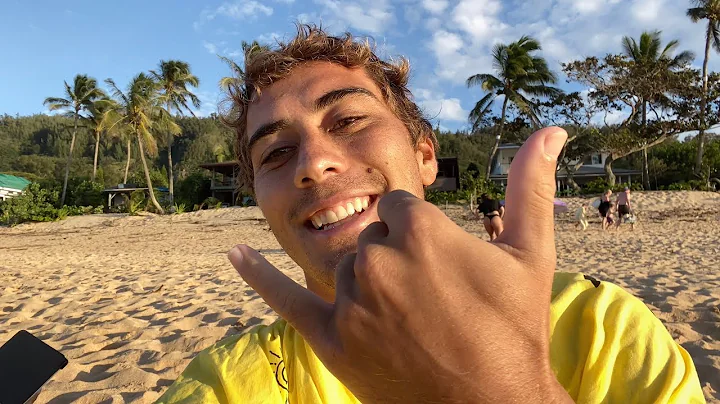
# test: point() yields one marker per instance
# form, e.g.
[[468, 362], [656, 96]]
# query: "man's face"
[[324, 147]]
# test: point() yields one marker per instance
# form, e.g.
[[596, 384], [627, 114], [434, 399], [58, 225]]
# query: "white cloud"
[[270, 38], [236, 10], [372, 16], [209, 101], [435, 6], [647, 11], [210, 47], [479, 19], [437, 107]]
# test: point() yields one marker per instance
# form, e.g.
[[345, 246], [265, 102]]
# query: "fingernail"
[[235, 254], [554, 143]]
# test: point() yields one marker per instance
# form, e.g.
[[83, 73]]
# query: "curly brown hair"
[[266, 65]]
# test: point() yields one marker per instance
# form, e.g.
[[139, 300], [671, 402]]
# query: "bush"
[[36, 204], [192, 190], [680, 186], [441, 197], [597, 186], [88, 193], [136, 202]]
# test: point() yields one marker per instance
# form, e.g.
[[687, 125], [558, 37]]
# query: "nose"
[[319, 158]]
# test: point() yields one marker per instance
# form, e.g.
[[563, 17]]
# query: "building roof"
[[223, 164], [13, 182], [508, 146]]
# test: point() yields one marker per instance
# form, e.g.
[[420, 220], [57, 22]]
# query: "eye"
[[347, 122], [276, 155]]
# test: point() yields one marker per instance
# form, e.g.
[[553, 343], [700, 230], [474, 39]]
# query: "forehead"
[[298, 91]]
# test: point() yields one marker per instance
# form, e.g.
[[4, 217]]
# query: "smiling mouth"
[[330, 218]]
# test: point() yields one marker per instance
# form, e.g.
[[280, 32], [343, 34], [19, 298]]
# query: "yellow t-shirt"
[[606, 346]]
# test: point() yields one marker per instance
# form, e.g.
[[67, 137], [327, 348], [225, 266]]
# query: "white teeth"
[[317, 222], [327, 219], [331, 217]]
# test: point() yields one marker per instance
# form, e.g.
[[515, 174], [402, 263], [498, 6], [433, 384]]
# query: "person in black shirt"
[[492, 215]]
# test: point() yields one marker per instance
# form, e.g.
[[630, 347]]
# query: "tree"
[[575, 113], [79, 98], [102, 117], [518, 75], [234, 82], [651, 64], [705, 10], [142, 113], [619, 86], [174, 77]]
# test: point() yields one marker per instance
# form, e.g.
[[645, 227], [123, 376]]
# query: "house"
[[593, 168], [223, 181], [448, 176], [11, 186], [224, 187]]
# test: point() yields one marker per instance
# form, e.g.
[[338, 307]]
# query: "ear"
[[427, 163]]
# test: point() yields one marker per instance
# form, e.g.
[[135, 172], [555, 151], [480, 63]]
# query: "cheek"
[[271, 199]]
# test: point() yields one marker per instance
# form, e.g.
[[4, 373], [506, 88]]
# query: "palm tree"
[[79, 98], [519, 74], [651, 62], [142, 113], [103, 117], [174, 77], [231, 83], [705, 10]]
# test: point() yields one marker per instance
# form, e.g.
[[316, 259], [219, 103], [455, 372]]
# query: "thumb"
[[529, 221], [303, 309]]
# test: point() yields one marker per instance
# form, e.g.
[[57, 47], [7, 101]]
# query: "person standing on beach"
[[402, 305], [604, 208], [493, 214], [623, 208]]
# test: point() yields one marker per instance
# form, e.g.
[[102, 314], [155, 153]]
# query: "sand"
[[130, 300]]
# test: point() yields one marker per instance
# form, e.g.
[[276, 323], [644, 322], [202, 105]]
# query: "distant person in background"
[[581, 218], [492, 215], [623, 208], [604, 208]]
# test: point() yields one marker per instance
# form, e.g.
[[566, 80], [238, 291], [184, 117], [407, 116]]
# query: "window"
[[596, 159]]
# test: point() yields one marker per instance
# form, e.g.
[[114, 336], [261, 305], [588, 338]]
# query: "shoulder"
[[248, 362], [606, 345]]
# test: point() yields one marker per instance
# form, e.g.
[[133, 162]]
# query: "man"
[[401, 304], [623, 208]]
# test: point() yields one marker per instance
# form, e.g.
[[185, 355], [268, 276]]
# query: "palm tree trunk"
[[95, 160], [497, 140], [69, 158], [171, 177], [703, 103], [147, 177], [645, 171], [127, 165]]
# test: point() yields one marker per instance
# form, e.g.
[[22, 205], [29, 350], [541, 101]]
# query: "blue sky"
[[43, 43]]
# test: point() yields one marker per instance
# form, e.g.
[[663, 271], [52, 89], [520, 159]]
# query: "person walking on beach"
[[400, 304], [604, 208], [623, 208], [493, 214], [581, 218]]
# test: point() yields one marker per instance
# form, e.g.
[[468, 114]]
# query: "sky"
[[43, 43]]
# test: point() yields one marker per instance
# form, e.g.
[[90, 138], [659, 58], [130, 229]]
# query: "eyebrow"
[[321, 103]]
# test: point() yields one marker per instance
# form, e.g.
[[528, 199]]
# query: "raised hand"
[[425, 312]]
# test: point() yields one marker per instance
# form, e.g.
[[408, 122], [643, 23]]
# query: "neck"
[[325, 292]]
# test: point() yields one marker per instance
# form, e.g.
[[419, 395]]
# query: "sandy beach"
[[131, 300]]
